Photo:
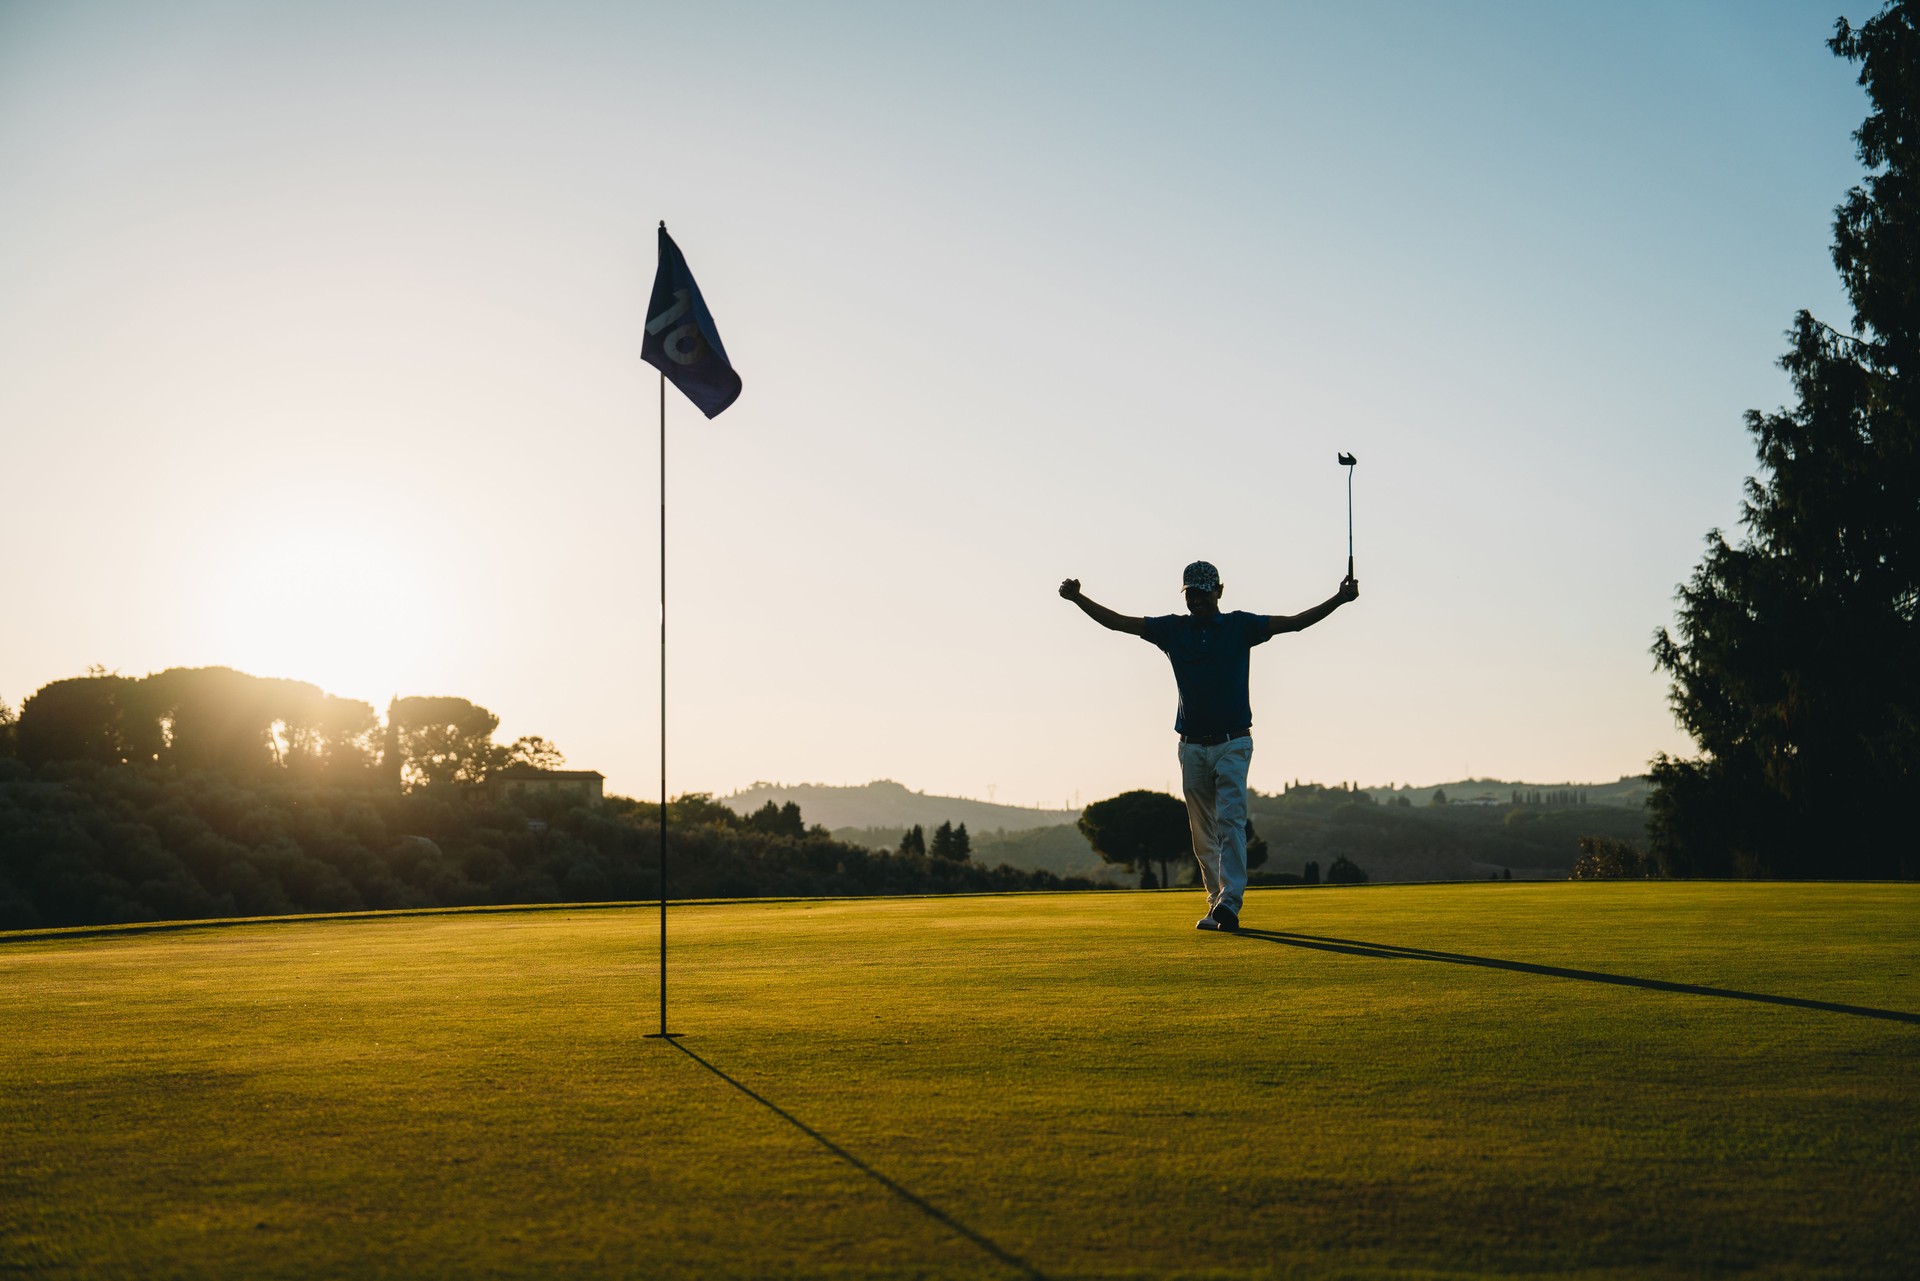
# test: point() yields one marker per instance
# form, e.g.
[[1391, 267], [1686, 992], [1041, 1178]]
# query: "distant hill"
[[887, 804], [1629, 791]]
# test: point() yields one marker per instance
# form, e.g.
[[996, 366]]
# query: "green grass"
[[1056, 1085]]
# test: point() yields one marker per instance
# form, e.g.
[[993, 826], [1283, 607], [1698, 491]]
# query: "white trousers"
[[1215, 781]]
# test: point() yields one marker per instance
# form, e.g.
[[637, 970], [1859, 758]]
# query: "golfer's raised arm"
[[1278, 623], [1100, 613]]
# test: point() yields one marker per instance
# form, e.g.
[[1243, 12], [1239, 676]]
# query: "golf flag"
[[681, 340]]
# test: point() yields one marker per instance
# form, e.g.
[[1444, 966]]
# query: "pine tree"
[[1795, 655]]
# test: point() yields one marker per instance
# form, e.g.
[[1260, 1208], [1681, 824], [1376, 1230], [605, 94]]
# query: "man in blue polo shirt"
[[1208, 650]]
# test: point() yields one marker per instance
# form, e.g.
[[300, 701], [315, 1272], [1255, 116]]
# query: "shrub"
[[1602, 858]]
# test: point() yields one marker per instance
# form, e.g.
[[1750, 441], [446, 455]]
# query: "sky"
[[320, 323]]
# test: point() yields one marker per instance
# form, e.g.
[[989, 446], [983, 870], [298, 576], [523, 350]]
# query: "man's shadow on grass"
[[1393, 952], [925, 1207]]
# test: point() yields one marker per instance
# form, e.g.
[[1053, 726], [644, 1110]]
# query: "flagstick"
[[663, 1033]]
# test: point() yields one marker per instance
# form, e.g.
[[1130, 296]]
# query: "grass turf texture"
[[1054, 1085]]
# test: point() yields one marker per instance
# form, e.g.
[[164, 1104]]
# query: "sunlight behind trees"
[[348, 606]]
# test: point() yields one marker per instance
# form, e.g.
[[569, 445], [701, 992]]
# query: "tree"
[[78, 719], [913, 843], [1439, 796], [391, 757], [348, 732], [1795, 653], [532, 750], [696, 809], [1135, 829], [329, 738], [443, 740], [1345, 872], [952, 843], [1256, 848], [214, 718], [8, 719], [779, 820]]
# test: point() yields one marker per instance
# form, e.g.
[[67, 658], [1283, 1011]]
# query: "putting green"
[[1428, 1081]]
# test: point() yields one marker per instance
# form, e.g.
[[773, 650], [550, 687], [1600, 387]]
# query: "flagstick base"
[[664, 1036]]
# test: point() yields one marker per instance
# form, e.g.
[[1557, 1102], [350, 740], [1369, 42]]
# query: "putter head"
[[1348, 460]]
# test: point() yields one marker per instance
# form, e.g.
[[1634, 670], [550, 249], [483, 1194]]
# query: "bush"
[[1603, 858]]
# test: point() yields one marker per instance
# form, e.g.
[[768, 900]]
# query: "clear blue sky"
[[318, 357]]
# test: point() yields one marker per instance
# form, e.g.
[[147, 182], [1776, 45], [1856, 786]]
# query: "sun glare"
[[339, 609]]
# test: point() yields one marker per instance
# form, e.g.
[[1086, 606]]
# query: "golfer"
[[1209, 650]]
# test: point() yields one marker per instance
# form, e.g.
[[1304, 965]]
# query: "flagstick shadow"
[[919, 1203], [1393, 952]]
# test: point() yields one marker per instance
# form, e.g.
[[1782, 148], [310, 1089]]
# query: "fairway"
[[1573, 1080]]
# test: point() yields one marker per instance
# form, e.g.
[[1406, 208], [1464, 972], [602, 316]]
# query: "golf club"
[[1348, 461]]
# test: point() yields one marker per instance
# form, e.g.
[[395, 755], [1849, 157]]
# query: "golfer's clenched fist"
[[1070, 588]]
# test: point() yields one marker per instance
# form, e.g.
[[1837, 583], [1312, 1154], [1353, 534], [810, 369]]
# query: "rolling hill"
[[884, 803]]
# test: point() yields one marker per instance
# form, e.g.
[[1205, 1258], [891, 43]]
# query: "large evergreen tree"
[[1795, 655]]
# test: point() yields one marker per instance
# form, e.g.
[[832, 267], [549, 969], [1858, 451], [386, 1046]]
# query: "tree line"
[[207, 792], [949, 842], [85, 844], [1555, 798], [256, 727]]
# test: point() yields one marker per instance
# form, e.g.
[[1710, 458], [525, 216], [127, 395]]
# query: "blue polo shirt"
[[1210, 666]]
